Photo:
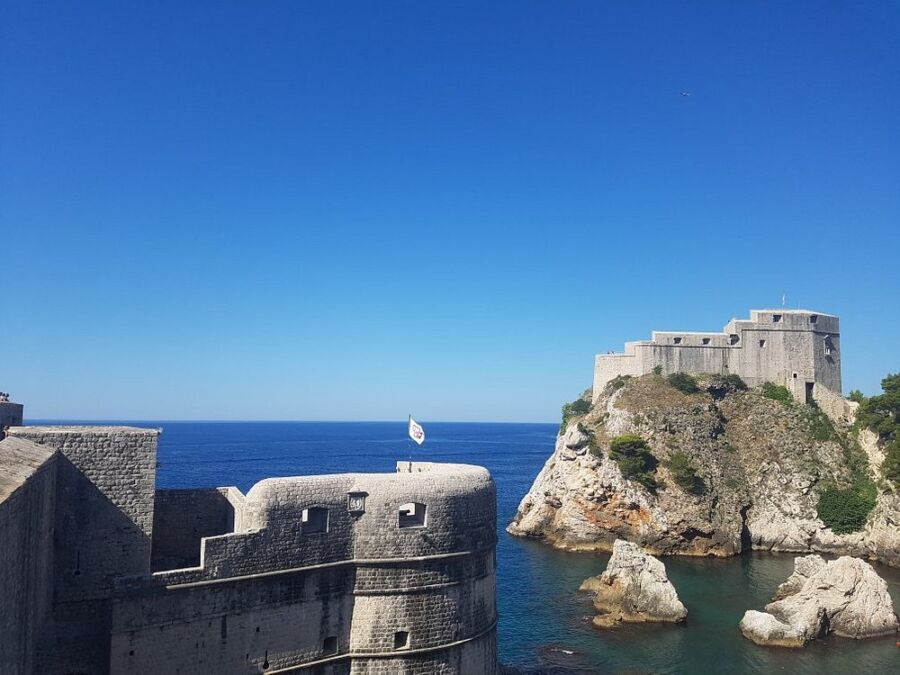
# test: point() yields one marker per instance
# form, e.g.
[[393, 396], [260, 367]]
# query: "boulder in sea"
[[634, 588], [844, 596]]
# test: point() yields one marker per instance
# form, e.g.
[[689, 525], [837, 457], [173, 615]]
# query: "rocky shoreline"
[[759, 465]]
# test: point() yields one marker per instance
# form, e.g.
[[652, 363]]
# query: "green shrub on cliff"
[[820, 427], [617, 383], [890, 468], [777, 393], [593, 443], [684, 473], [683, 383], [846, 510], [574, 409], [635, 461]]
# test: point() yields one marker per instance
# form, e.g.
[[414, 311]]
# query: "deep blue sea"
[[544, 623]]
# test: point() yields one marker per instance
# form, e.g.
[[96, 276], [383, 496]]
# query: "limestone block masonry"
[[798, 349], [350, 573]]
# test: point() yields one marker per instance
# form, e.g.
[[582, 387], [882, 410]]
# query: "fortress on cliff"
[[351, 573], [796, 348]]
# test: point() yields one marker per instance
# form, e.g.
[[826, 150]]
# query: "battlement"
[[799, 349], [407, 554], [389, 572]]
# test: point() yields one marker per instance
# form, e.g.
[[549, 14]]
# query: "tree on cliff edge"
[[881, 414]]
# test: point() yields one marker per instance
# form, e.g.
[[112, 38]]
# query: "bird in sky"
[[685, 93]]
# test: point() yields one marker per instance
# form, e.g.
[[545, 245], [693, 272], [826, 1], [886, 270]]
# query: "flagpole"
[[409, 441]]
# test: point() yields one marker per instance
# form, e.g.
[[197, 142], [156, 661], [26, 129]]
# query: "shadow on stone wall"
[[181, 519], [95, 542]]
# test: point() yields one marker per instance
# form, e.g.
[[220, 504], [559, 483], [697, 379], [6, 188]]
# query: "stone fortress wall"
[[351, 573], [798, 349], [27, 507]]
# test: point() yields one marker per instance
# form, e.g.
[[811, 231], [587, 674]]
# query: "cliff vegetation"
[[704, 465]]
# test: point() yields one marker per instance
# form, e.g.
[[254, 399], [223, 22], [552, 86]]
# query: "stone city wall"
[[27, 494], [102, 528], [247, 626], [104, 519], [182, 518], [276, 596], [325, 574]]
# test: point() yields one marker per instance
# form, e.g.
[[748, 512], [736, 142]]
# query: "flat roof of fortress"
[[462, 477], [784, 310]]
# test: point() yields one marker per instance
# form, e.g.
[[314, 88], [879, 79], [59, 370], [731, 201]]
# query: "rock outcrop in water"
[[759, 465], [845, 597], [634, 588]]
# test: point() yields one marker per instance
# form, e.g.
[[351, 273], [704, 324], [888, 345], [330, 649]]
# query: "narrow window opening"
[[809, 393], [266, 661], [77, 570], [762, 343], [734, 339], [776, 318], [795, 376], [131, 652], [829, 346], [329, 645], [314, 519], [677, 340], [401, 639], [412, 514], [705, 341], [223, 627]]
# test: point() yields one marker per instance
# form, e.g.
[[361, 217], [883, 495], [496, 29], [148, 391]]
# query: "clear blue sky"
[[334, 210]]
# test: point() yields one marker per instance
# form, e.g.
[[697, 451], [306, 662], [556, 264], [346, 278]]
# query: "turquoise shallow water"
[[544, 624], [549, 611]]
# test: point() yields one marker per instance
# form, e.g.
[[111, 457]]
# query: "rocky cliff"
[[724, 469]]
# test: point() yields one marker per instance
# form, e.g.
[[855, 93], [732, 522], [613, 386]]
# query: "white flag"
[[416, 432]]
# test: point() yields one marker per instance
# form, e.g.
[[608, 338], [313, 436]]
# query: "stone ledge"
[[398, 654], [82, 429]]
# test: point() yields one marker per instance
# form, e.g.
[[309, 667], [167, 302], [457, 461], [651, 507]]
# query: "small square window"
[[814, 318], [412, 514], [762, 343], [677, 340], [734, 339], [329, 645], [776, 318], [705, 341], [401, 639], [314, 520]]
